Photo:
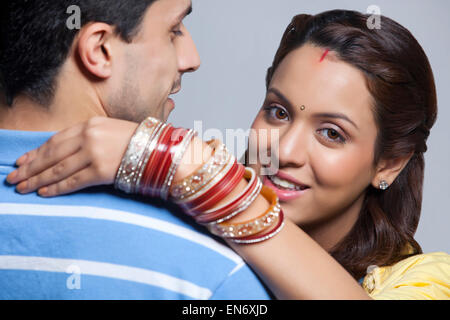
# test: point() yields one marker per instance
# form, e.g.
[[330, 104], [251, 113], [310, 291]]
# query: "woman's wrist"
[[203, 178], [197, 153]]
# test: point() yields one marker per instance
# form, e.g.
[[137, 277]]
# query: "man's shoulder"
[[108, 207], [121, 246], [112, 238]]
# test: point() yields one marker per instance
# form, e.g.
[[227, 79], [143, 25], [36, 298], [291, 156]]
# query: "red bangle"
[[183, 138], [222, 191], [233, 208], [217, 192], [158, 160], [166, 158], [192, 205], [147, 178]]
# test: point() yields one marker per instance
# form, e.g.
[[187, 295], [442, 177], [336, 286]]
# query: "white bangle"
[[127, 174]]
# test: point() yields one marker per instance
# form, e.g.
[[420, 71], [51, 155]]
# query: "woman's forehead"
[[307, 77]]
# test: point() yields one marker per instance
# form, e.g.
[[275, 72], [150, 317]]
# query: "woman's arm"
[[292, 264]]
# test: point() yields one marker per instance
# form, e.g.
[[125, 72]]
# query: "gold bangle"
[[244, 229], [192, 184]]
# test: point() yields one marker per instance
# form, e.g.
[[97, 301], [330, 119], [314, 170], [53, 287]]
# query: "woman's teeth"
[[284, 184]]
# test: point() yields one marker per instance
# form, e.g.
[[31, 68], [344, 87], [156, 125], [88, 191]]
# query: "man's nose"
[[188, 58]]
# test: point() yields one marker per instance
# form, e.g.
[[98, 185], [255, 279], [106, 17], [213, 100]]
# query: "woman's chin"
[[293, 211]]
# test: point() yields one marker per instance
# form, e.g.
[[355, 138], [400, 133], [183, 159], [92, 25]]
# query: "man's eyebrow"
[[185, 13], [315, 115]]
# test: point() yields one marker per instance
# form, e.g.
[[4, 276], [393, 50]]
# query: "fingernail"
[[11, 177], [21, 187], [22, 159], [43, 191]]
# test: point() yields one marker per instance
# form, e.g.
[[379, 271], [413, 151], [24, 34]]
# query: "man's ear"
[[95, 49], [389, 169]]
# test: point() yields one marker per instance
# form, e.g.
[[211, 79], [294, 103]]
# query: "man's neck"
[[26, 115], [73, 103]]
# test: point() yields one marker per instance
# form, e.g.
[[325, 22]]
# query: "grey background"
[[237, 40]]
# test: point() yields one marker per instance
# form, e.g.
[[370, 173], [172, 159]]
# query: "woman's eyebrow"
[[281, 97], [335, 116], [289, 104]]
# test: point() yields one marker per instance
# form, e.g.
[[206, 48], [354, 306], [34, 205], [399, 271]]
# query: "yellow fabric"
[[423, 276]]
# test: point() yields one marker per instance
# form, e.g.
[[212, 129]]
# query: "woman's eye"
[[277, 113], [332, 135]]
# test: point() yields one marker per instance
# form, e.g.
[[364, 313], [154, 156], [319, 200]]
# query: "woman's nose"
[[293, 147]]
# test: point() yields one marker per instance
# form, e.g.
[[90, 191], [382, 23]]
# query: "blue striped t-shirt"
[[102, 244]]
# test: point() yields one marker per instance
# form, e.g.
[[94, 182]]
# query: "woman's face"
[[328, 146]]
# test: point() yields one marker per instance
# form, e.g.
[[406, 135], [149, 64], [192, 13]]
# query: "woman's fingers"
[[46, 156], [58, 138], [98, 144], [60, 171], [80, 180]]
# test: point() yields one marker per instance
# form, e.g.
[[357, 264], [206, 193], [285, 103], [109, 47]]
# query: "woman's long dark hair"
[[400, 80]]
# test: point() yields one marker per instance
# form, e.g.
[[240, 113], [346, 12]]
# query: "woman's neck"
[[328, 233]]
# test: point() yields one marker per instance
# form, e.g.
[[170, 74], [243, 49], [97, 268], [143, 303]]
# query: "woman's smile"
[[285, 190]]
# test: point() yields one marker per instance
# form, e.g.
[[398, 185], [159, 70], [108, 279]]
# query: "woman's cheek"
[[341, 176], [331, 169]]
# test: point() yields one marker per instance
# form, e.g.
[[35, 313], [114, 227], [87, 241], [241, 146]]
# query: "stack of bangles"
[[152, 159]]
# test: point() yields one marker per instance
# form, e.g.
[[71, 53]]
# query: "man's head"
[[132, 53]]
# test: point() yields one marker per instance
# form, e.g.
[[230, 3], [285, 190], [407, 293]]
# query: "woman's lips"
[[284, 194]]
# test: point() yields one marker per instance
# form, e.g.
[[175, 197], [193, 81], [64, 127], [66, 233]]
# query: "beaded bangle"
[[237, 205], [251, 227], [200, 178], [215, 175], [128, 171], [218, 191], [262, 237]]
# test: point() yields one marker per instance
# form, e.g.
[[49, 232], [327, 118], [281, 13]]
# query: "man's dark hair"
[[35, 39]]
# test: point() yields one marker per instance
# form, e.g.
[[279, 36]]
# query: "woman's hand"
[[85, 155]]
